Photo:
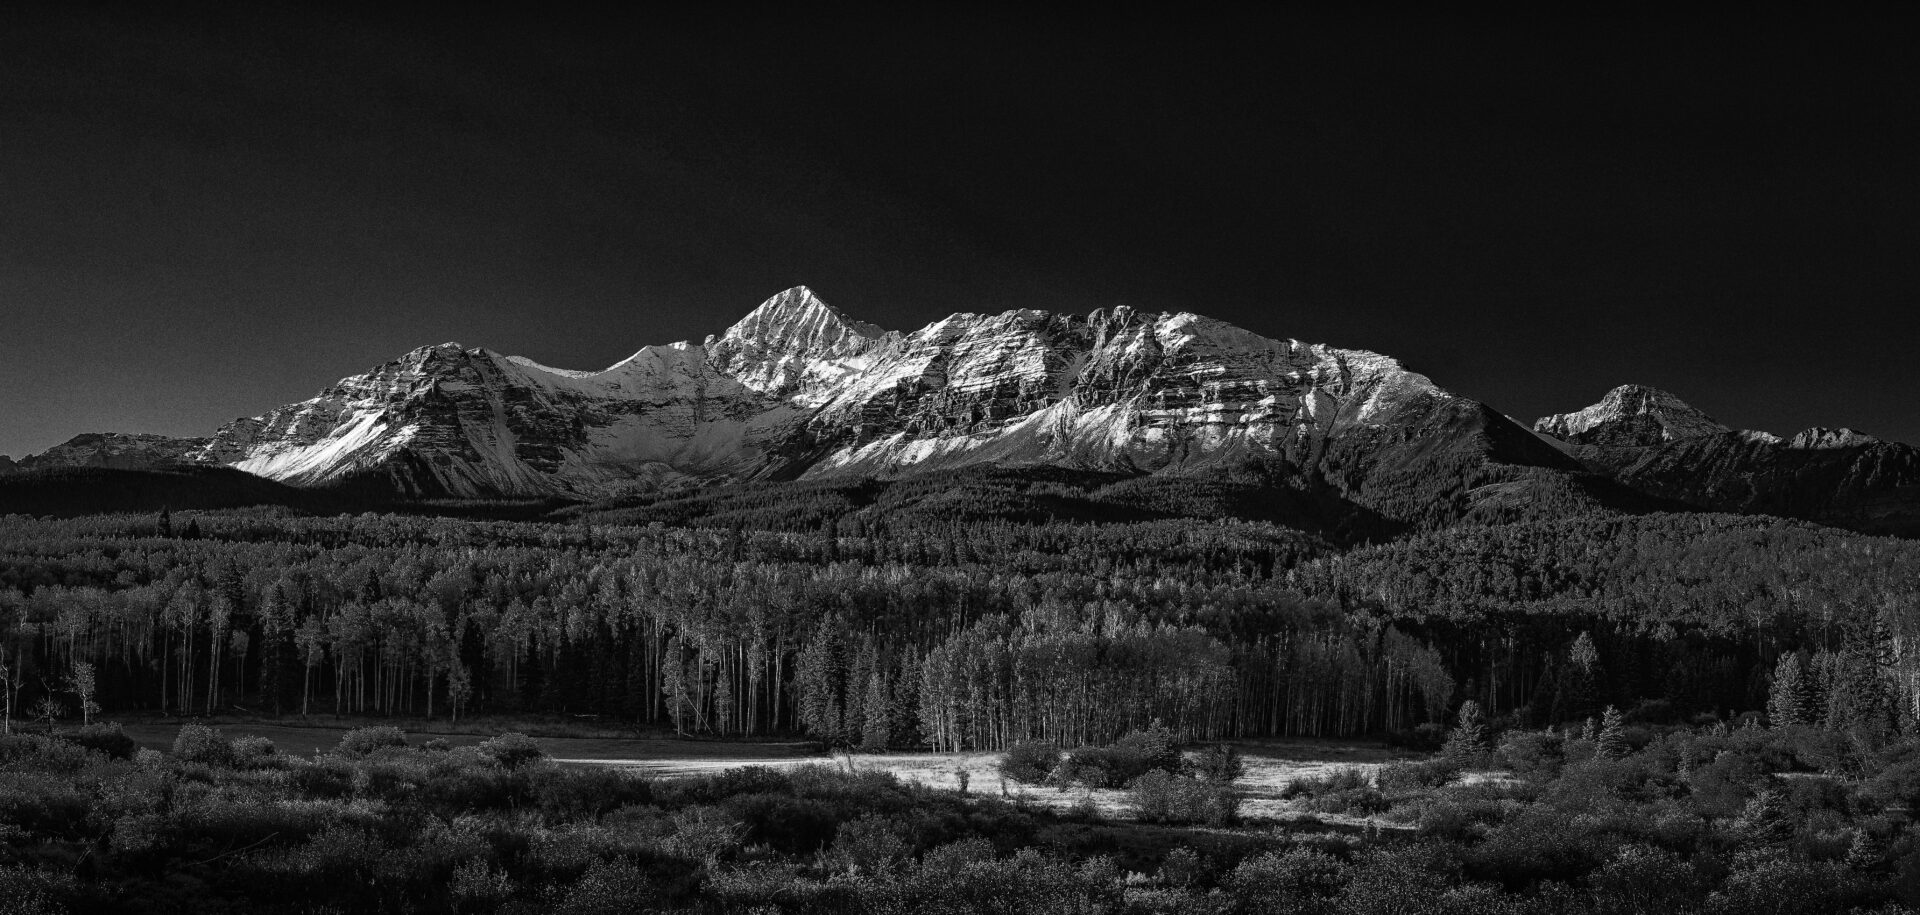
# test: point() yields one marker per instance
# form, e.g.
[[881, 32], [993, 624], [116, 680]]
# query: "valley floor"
[[1270, 764]]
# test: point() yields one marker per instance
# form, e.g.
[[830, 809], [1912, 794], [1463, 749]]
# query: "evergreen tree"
[[1786, 701], [1860, 701], [1864, 852], [1468, 739], [1763, 822], [1612, 740]]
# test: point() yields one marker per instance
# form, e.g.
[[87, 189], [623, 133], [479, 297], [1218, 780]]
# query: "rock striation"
[[797, 389]]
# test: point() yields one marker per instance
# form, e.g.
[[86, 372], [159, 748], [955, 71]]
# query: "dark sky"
[[205, 216]]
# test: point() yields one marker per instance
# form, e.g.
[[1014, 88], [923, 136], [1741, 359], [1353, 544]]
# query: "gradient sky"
[[206, 216]]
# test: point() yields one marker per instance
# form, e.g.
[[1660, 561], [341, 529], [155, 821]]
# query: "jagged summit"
[[1631, 416], [793, 343], [798, 314], [1821, 437], [796, 388]]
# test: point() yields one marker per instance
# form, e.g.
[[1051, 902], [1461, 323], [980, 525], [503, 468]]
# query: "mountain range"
[[797, 391]]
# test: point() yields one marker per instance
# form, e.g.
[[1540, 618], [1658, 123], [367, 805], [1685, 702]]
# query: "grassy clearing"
[[1270, 765]]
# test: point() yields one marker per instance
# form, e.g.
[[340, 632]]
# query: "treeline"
[[926, 630], [953, 635], [1680, 606]]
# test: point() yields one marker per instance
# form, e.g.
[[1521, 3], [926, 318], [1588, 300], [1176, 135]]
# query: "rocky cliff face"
[[798, 389], [452, 421], [1113, 390], [1655, 443]]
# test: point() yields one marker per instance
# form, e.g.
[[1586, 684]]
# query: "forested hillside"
[[926, 629]]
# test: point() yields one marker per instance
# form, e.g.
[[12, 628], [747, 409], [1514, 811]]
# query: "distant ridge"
[[797, 390]]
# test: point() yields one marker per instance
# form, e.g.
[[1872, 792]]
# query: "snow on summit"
[[797, 387]]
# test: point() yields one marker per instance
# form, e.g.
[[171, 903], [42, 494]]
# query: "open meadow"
[[1271, 765]]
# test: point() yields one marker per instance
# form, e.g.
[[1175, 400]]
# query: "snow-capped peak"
[[797, 319], [1631, 415], [1821, 437], [790, 340]]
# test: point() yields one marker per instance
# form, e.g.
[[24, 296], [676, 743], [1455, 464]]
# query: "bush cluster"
[[1137, 753], [1030, 762], [1165, 797], [1703, 821]]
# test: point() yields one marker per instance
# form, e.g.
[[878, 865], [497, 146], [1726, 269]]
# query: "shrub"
[[45, 803], [1540, 843], [1350, 801], [478, 886], [1412, 776], [1425, 738], [1534, 754], [869, 844], [1153, 745], [512, 750], [607, 888], [1182, 867], [1116, 766], [197, 743], [475, 787], [323, 777], [1295, 880], [253, 752], [566, 794], [42, 754], [1030, 762], [789, 824], [958, 854], [1346, 778], [30, 891], [105, 737], [1449, 818], [1220, 763], [363, 741], [1163, 797]]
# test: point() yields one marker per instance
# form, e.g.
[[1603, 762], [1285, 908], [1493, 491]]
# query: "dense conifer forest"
[[1719, 706], [910, 630]]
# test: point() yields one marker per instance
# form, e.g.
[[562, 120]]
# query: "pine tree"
[[1763, 822], [1612, 740], [1786, 701], [1860, 701], [1863, 853], [819, 679], [1469, 739]]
